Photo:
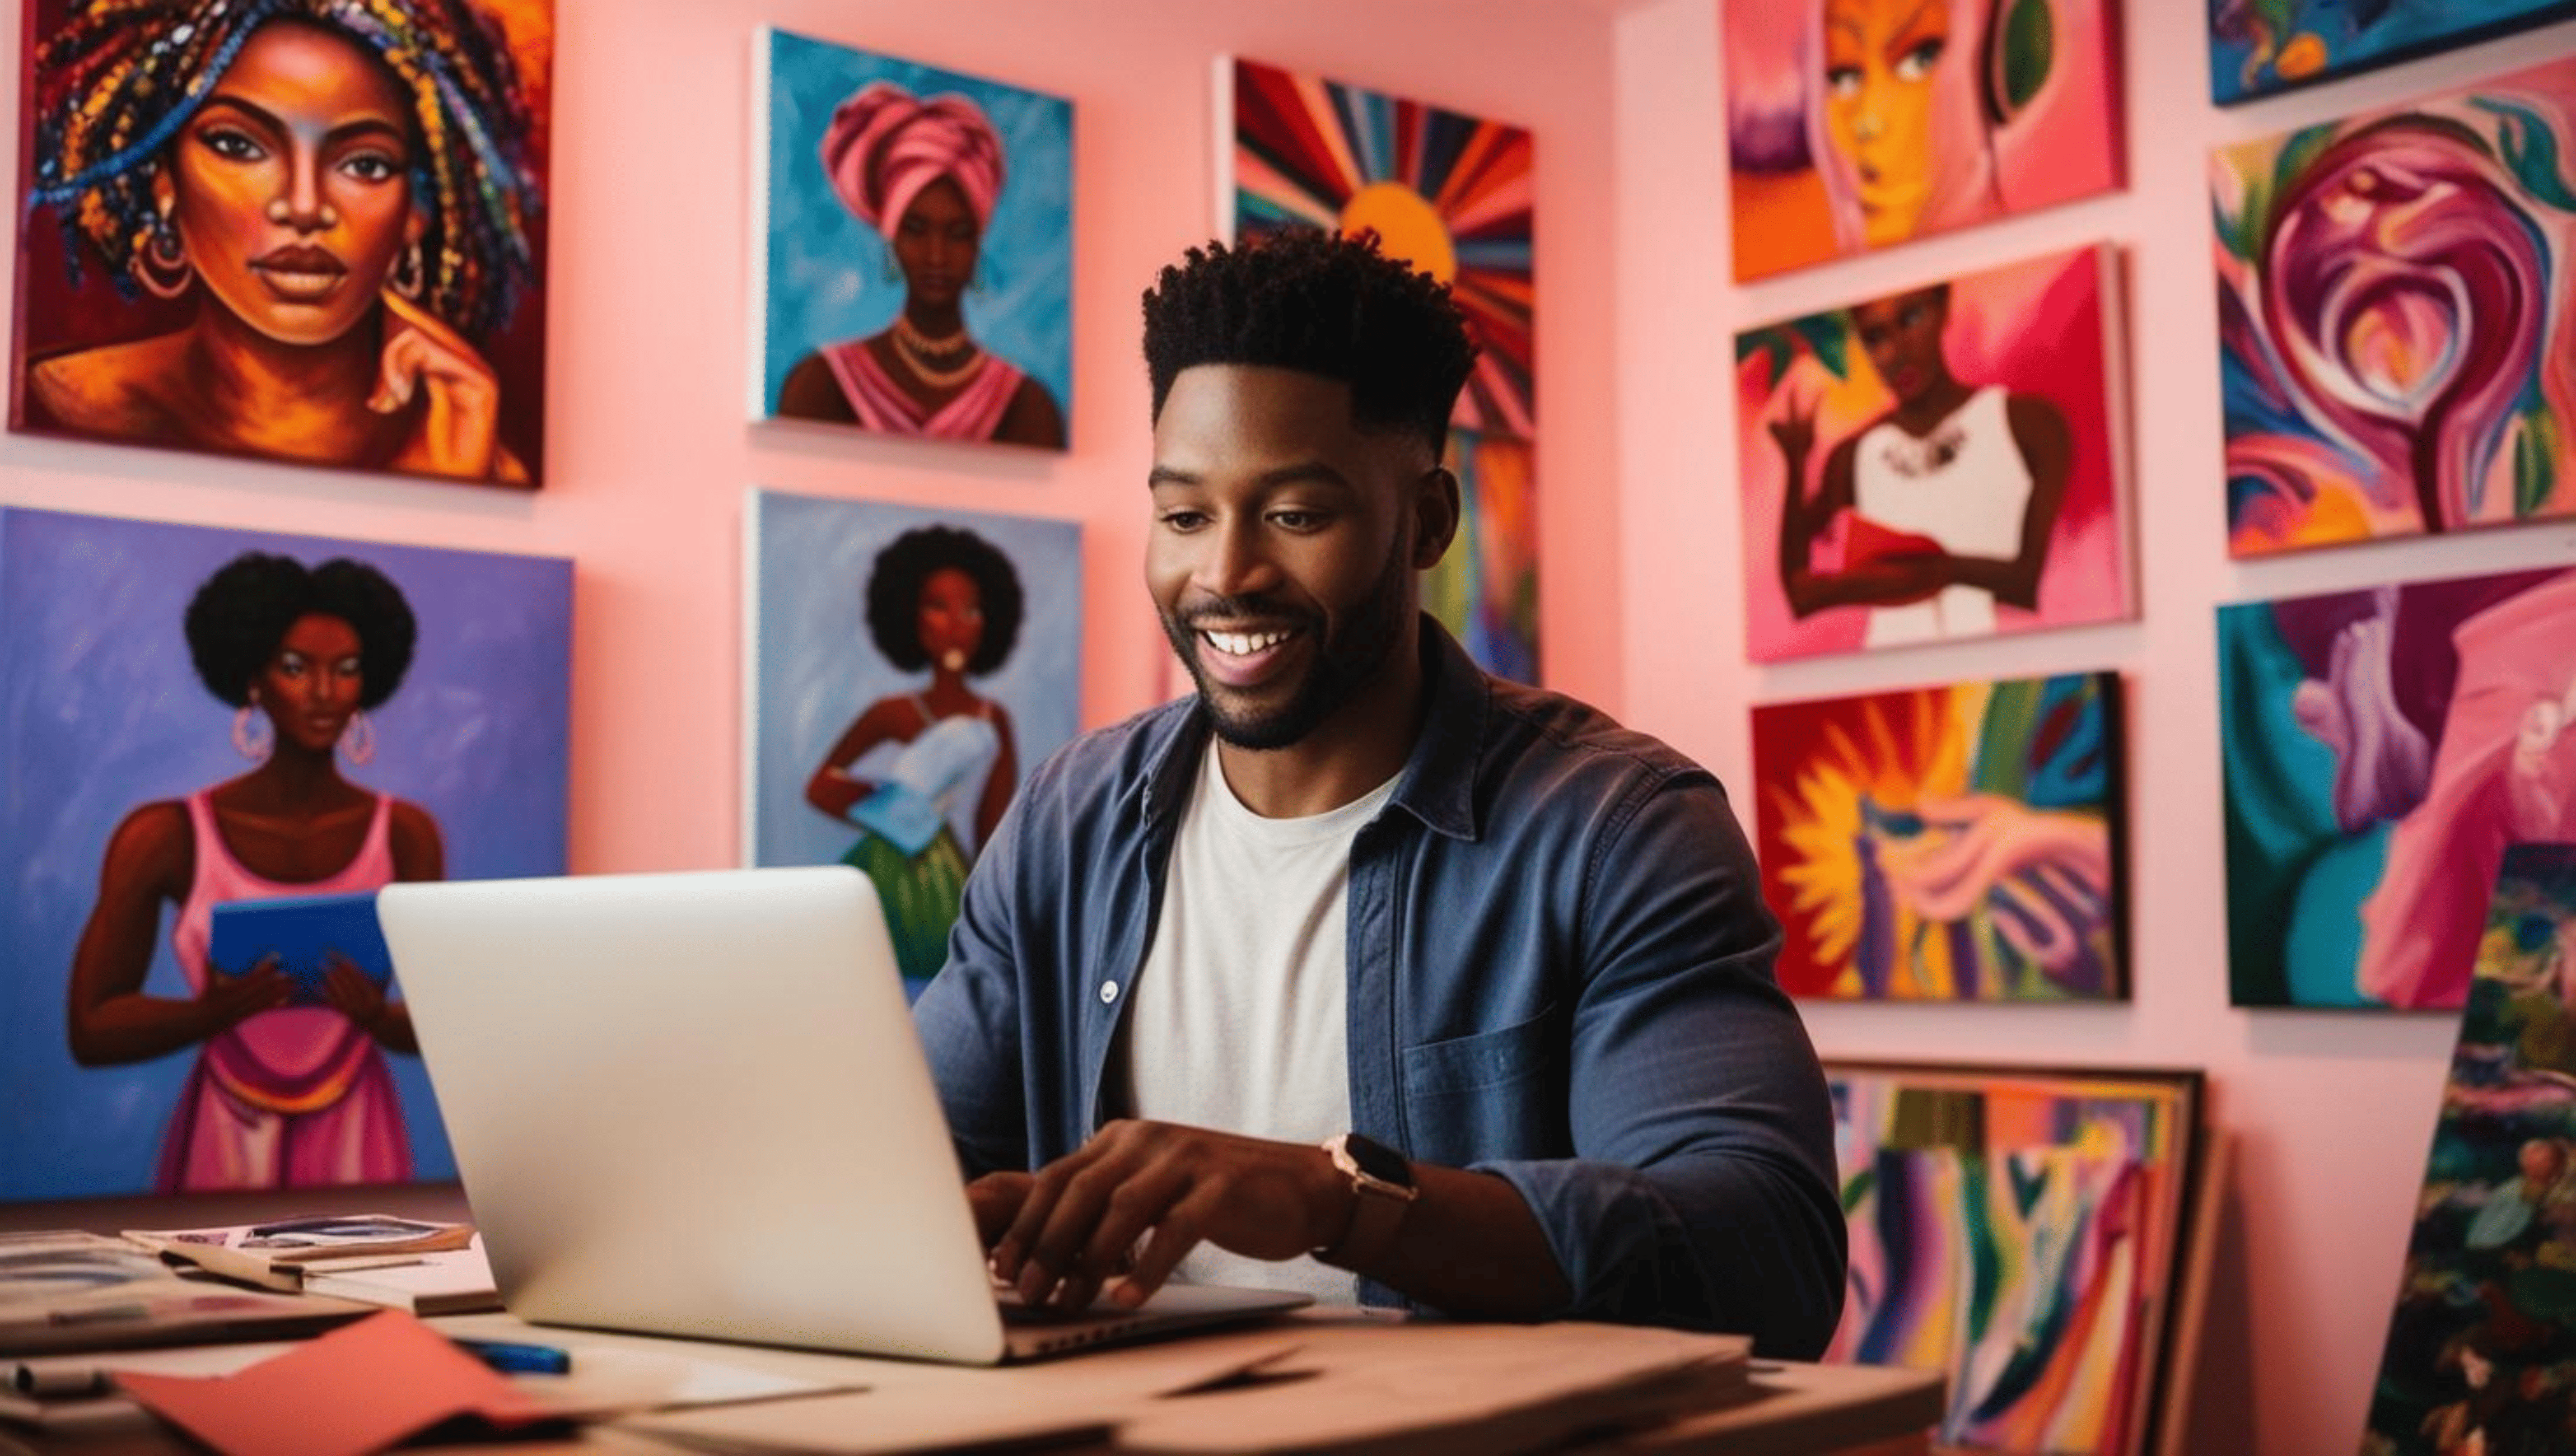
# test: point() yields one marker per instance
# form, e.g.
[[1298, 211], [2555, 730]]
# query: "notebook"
[[694, 1104]]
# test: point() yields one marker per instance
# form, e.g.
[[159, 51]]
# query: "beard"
[[1348, 658]]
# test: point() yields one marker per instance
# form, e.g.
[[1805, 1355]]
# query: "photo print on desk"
[[1948, 844], [1938, 464], [2021, 1230], [194, 715], [2482, 1342], [912, 247], [1454, 195], [2397, 331], [2380, 750], [2262, 47], [294, 230], [1854, 125], [906, 669]]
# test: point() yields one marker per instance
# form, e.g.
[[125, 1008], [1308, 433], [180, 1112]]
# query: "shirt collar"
[[1438, 785]]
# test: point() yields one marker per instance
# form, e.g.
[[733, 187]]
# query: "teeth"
[[1243, 644]]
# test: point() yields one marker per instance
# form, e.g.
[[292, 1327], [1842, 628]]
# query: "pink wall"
[[650, 453], [2332, 1113]]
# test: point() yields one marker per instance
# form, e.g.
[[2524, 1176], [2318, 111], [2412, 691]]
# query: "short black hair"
[[1318, 302], [904, 567], [243, 611]]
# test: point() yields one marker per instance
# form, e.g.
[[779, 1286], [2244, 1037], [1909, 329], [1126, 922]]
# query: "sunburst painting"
[[1948, 844]]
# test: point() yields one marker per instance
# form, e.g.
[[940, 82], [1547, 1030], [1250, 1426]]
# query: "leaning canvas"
[[1853, 125], [2261, 47], [1935, 465], [2397, 342], [191, 716], [2481, 1342], [2021, 1230], [2380, 748], [912, 247], [298, 231], [906, 668], [1947, 844]]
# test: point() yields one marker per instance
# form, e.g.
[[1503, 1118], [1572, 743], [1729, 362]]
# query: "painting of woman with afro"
[[909, 668], [299, 230], [225, 717]]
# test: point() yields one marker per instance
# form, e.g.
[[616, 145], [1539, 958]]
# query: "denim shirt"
[[1560, 974]]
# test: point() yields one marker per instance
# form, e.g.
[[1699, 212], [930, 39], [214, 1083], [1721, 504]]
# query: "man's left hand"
[[1082, 1214]]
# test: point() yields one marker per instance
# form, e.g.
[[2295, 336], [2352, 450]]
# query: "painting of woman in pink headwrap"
[[916, 250], [2396, 345]]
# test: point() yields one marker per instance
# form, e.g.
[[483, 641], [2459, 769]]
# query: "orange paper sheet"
[[362, 1387]]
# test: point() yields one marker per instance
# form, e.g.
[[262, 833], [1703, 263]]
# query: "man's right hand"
[[996, 1199]]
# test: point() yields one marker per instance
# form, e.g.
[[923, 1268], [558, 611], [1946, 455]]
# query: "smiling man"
[[1359, 971]]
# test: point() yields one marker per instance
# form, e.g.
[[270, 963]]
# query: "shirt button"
[[1108, 992]]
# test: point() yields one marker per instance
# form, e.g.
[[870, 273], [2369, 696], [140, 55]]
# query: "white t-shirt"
[[1238, 1021]]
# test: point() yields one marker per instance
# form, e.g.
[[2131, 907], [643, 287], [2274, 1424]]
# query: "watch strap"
[[1378, 1207]]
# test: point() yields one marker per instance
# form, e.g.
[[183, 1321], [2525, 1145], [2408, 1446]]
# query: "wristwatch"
[[1382, 1188]]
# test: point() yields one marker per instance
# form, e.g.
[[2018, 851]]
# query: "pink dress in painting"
[[974, 414], [294, 1097], [2505, 774]]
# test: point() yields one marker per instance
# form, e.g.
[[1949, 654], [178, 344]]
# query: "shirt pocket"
[[1490, 1095]]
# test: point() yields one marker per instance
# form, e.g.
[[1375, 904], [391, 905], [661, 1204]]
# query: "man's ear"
[[1436, 510]]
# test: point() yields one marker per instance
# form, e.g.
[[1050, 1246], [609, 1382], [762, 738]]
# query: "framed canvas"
[[2479, 1345], [1454, 195], [191, 716], [295, 231], [2395, 331], [2380, 749], [912, 247], [1854, 125], [907, 667], [2262, 47], [1957, 843], [1938, 464], [2021, 1230]]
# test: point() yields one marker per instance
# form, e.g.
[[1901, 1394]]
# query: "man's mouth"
[[1243, 659]]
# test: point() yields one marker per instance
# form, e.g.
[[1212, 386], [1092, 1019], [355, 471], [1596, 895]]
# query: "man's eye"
[[1184, 520], [231, 145], [1298, 520], [1916, 64]]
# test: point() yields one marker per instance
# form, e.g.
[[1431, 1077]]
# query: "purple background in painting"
[[101, 711]]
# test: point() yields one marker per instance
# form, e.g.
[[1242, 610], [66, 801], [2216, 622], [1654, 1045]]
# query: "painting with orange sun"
[[1957, 843], [1452, 194], [297, 230], [1854, 125]]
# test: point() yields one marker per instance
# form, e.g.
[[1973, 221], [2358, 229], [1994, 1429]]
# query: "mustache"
[[1237, 609]]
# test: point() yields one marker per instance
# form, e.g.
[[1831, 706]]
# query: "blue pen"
[[512, 1358]]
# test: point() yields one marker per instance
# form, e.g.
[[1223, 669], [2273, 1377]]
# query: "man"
[[1515, 953]]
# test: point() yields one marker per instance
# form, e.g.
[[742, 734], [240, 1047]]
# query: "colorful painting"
[[1485, 591], [194, 716], [1947, 844], [2381, 749], [2260, 47], [2481, 1352], [1448, 192], [2021, 1231], [2396, 340], [908, 667], [1935, 465], [1854, 125], [298, 230], [912, 248]]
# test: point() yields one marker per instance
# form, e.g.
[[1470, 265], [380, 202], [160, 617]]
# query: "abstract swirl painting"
[[1947, 844], [2396, 344], [2260, 47], [2020, 1230]]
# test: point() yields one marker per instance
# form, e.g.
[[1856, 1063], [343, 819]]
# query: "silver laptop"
[[694, 1104]]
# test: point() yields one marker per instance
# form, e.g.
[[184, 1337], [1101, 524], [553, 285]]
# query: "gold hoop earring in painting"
[[161, 265]]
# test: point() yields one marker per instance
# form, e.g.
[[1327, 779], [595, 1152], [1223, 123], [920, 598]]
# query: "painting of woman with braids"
[[301, 230], [915, 255], [2397, 338]]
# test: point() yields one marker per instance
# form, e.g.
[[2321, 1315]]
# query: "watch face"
[[1379, 1161]]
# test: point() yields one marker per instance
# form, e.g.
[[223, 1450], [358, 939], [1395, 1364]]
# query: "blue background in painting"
[[2405, 30], [814, 668], [829, 272], [101, 712]]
